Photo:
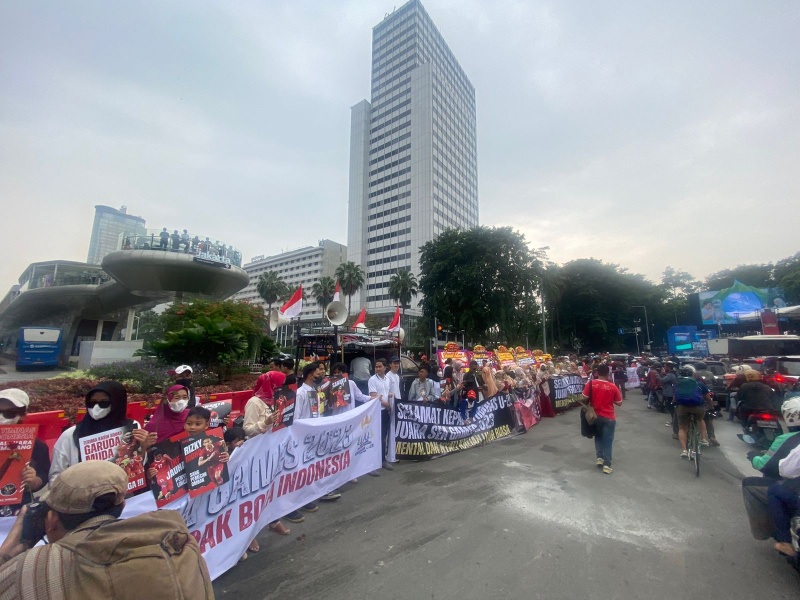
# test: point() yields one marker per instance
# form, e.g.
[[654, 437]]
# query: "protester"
[[380, 389], [357, 397], [89, 547], [169, 417], [13, 406], [603, 396], [106, 407], [543, 383], [422, 387], [183, 376]]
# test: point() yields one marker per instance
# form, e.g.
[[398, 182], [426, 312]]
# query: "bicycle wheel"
[[694, 445]]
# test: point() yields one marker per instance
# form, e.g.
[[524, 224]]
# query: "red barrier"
[[51, 424]]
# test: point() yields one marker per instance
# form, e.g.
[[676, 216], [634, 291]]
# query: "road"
[[532, 517]]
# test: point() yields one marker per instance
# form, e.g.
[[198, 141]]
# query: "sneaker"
[[600, 462], [684, 454], [713, 441], [374, 474], [330, 497], [311, 507], [387, 466], [295, 517], [674, 436], [607, 470], [705, 443]]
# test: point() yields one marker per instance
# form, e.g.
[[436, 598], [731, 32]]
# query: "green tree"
[[678, 283], [402, 288], [351, 279], [271, 288], [755, 275], [322, 291], [598, 299], [787, 277], [474, 279]]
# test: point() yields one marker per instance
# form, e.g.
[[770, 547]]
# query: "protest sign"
[[505, 358], [103, 445], [425, 430], [167, 470], [203, 455], [566, 390], [219, 410], [16, 448], [284, 407], [340, 393]]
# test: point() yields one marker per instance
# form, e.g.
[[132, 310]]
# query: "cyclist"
[[690, 398]]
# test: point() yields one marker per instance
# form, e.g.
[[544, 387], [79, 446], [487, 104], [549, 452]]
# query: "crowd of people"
[[182, 242]]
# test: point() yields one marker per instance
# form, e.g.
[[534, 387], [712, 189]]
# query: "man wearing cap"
[[84, 498], [13, 406]]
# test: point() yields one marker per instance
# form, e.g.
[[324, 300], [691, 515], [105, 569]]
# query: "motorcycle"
[[760, 427]]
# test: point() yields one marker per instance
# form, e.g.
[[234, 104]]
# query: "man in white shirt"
[[380, 389]]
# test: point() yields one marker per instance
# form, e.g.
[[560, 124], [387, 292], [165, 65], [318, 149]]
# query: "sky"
[[645, 134]]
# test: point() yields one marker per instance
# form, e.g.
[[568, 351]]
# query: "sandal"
[[786, 549], [253, 547], [279, 528]]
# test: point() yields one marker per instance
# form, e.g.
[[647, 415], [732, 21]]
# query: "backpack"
[[144, 557], [688, 392]]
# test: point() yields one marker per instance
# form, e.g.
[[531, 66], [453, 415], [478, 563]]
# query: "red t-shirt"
[[603, 395]]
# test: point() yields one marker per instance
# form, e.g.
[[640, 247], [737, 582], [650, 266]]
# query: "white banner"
[[633, 378], [270, 476]]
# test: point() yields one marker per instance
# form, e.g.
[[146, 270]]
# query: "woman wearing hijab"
[[170, 416], [106, 407]]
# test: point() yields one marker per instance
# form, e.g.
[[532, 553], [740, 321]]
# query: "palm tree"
[[322, 291], [402, 287], [351, 279], [271, 288]]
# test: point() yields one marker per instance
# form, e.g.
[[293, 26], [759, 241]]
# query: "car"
[[781, 373]]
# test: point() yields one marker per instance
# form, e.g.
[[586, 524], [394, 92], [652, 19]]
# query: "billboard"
[[724, 307]]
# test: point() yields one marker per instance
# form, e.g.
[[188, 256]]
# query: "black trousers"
[[385, 432]]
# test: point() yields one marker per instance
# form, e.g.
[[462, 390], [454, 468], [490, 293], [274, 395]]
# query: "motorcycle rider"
[[755, 395], [653, 385], [667, 381], [755, 489]]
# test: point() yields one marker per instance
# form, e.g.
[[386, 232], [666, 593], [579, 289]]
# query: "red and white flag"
[[294, 305], [395, 324], [362, 316], [336, 292]]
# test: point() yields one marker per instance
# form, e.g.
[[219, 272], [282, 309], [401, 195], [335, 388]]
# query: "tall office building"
[[109, 227], [413, 153]]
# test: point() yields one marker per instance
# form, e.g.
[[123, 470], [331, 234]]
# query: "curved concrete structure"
[[144, 271]]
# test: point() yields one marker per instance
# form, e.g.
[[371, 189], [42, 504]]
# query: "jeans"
[[784, 502], [604, 438]]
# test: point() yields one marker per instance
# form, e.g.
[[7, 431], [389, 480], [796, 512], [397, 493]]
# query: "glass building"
[[109, 226], [413, 153]]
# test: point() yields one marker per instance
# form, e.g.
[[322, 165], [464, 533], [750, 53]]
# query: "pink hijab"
[[165, 422]]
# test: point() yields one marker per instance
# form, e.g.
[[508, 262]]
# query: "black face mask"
[[319, 379]]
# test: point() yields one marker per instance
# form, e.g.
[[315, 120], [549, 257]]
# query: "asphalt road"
[[532, 517]]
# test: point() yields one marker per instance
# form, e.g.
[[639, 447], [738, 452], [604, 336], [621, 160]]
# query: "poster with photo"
[[319, 407], [129, 458], [284, 407], [205, 456], [166, 470], [339, 396], [16, 448], [103, 445], [219, 410]]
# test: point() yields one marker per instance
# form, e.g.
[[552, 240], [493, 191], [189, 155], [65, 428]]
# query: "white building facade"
[[304, 266], [413, 153]]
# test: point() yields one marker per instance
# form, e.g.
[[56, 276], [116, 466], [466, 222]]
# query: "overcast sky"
[[646, 134]]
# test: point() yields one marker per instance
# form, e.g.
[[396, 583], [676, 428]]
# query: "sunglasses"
[[100, 403], [11, 413]]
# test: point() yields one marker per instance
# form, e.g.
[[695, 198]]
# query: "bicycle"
[[693, 443]]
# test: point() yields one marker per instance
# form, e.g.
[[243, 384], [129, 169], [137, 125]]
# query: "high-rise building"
[[110, 225], [304, 266], [413, 153]]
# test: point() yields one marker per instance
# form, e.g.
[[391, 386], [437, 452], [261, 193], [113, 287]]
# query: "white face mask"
[[179, 406], [98, 413], [4, 421]]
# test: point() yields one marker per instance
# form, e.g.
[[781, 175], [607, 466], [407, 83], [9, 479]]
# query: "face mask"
[[98, 413], [178, 406], [13, 421]]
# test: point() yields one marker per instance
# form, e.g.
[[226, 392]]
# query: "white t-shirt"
[[380, 386], [394, 384], [302, 402], [789, 467]]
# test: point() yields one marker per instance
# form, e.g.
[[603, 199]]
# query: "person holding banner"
[[13, 406], [380, 389], [106, 407]]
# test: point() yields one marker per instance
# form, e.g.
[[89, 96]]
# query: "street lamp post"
[[646, 324]]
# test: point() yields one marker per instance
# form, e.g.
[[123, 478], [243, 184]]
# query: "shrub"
[[144, 376]]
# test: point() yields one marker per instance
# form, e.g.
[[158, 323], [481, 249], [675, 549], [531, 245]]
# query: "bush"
[[144, 376]]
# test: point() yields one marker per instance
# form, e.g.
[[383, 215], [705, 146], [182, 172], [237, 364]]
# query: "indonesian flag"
[[294, 305], [395, 324], [362, 316], [336, 292]]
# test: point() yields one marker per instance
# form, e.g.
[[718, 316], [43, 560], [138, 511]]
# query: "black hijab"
[[116, 418]]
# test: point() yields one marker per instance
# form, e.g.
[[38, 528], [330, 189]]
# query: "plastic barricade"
[[51, 424]]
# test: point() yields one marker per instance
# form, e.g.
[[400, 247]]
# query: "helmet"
[[752, 375], [791, 411], [740, 369], [686, 371]]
